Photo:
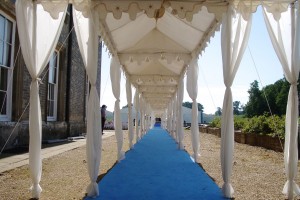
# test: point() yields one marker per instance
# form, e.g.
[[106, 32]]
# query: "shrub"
[[239, 122], [257, 125], [216, 122], [277, 125], [263, 125]]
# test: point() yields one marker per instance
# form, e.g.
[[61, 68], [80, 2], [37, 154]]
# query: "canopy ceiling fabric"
[[156, 40]]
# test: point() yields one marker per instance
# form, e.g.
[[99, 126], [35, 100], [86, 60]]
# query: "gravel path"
[[257, 173]]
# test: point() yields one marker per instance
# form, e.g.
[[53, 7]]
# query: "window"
[[52, 87], [7, 31]]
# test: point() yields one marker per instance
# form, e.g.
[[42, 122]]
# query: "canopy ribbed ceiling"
[[154, 51]]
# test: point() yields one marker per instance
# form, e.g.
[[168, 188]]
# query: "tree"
[[218, 112], [254, 106], [236, 107], [189, 105], [282, 96], [272, 97], [200, 107]]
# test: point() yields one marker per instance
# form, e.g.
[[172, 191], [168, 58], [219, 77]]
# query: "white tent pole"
[[192, 88], [129, 103], [234, 38], [88, 40], [179, 114], [146, 118], [177, 120], [287, 49], [172, 118], [136, 97], [35, 159], [40, 33], [227, 121], [174, 132], [169, 118], [141, 105], [115, 75]]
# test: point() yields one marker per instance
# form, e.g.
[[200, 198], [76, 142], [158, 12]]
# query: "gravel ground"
[[257, 173]]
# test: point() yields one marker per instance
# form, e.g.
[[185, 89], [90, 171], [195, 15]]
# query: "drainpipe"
[[68, 71]]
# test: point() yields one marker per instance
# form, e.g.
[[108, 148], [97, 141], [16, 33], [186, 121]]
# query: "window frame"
[[54, 117], [9, 91]]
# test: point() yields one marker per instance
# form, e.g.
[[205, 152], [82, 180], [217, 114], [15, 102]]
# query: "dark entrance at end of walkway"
[[157, 122]]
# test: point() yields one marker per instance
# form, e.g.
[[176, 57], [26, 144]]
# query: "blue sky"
[[210, 82]]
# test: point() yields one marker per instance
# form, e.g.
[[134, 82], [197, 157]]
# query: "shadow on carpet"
[[156, 170]]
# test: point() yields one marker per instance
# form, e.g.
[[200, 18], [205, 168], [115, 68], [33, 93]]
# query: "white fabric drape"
[[87, 38], [115, 77], [284, 33], [174, 119], [141, 108], [136, 105], [234, 38], [179, 113], [39, 34], [129, 103], [169, 118], [152, 120], [192, 89], [176, 115]]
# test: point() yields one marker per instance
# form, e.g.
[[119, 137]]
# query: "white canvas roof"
[[156, 40]]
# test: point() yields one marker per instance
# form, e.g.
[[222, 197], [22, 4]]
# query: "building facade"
[[64, 85]]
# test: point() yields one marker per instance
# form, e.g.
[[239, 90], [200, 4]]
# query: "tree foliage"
[[272, 97], [218, 112], [255, 103], [237, 108], [257, 117], [189, 105], [216, 122]]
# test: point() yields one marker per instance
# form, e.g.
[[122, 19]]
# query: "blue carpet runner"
[[156, 170]]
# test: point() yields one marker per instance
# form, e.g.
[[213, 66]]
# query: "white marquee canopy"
[[156, 43]]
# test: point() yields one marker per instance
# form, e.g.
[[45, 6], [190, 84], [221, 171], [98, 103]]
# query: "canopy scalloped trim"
[[154, 80], [183, 9]]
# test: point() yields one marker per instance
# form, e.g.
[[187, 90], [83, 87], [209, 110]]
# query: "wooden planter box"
[[203, 129], [214, 131], [265, 141], [240, 137]]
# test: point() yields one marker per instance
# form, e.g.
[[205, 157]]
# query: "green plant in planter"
[[216, 122]]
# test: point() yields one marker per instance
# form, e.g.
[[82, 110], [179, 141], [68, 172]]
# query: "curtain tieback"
[[39, 80], [294, 83]]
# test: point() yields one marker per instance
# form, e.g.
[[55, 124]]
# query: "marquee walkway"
[[156, 169]]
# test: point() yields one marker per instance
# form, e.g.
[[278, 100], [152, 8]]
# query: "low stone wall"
[[14, 135], [265, 141]]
